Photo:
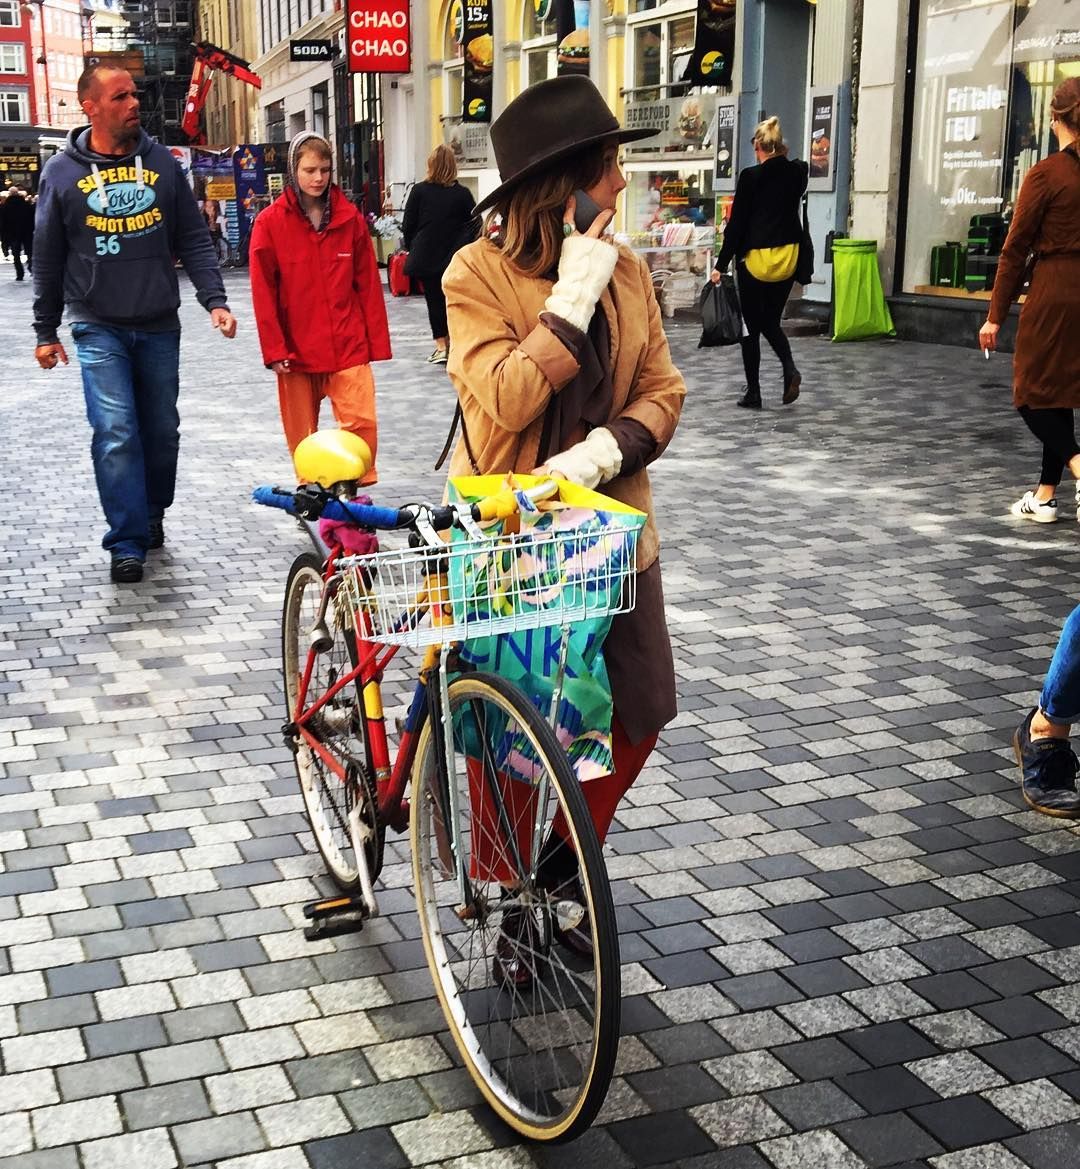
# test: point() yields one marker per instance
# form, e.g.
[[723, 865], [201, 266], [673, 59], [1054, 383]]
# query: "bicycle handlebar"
[[316, 504]]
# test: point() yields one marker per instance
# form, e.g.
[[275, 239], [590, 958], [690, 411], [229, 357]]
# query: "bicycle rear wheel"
[[339, 726], [541, 1047]]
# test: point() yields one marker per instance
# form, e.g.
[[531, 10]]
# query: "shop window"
[[453, 32], [985, 74], [13, 106], [12, 59], [661, 196], [661, 45], [275, 121], [10, 14]]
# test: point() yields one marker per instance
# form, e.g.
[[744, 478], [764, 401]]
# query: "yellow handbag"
[[771, 265]]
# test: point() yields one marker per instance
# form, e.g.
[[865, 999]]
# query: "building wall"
[[15, 122], [231, 114]]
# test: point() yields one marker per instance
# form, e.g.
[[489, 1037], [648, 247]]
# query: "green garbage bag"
[[859, 308]]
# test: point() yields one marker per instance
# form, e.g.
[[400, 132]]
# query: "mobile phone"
[[585, 211]]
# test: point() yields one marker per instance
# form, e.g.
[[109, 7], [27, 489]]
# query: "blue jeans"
[[131, 381], [1060, 699]]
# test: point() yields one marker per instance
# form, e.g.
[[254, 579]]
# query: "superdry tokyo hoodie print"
[[106, 237]]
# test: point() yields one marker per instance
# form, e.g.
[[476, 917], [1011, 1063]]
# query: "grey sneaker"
[[1048, 770]]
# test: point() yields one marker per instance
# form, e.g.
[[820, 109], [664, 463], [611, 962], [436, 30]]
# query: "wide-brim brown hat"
[[547, 122]]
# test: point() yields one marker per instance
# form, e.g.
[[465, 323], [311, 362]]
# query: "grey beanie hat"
[[299, 142]]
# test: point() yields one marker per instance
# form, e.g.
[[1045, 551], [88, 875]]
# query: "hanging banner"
[[572, 34], [714, 44], [378, 36], [249, 170], [479, 47]]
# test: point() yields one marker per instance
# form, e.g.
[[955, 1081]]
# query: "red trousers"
[[493, 857], [352, 396]]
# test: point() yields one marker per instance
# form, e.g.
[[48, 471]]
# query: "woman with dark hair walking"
[[440, 217], [1046, 365], [763, 236]]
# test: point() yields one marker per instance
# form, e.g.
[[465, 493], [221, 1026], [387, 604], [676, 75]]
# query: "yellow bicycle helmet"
[[332, 456]]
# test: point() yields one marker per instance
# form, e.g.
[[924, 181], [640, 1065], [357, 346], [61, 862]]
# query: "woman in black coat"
[[440, 217], [763, 235]]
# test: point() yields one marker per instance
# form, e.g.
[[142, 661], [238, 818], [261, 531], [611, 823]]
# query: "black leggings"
[[1054, 429], [762, 306], [436, 302]]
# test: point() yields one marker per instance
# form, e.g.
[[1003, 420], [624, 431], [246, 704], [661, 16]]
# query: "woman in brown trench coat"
[[560, 363], [1046, 367]]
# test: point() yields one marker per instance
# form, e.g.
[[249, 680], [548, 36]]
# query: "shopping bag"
[[721, 317], [574, 556]]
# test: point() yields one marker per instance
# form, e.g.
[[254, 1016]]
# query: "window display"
[[985, 74]]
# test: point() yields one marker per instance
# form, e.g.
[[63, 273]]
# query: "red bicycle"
[[534, 1017]]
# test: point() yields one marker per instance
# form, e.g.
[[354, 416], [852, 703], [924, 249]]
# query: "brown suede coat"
[[1046, 222], [505, 366]]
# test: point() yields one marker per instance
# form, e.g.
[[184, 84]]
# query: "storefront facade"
[[947, 152]]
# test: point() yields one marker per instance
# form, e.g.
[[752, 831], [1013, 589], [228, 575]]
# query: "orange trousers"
[[352, 396]]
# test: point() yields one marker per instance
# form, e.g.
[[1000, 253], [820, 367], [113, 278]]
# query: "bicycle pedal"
[[333, 916]]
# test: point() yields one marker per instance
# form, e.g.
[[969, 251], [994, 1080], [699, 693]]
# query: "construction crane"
[[208, 59]]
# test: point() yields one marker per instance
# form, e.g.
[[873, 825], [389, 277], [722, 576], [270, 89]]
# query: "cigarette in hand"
[[986, 354]]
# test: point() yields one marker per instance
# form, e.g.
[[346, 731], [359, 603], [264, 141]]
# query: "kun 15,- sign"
[[378, 36]]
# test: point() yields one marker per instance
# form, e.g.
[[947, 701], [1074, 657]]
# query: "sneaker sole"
[[1057, 813], [1028, 515]]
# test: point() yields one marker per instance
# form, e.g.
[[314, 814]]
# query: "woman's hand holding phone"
[[582, 214]]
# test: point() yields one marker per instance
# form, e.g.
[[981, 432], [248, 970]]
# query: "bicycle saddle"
[[329, 457]]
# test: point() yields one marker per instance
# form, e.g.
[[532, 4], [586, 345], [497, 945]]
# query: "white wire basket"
[[498, 585]]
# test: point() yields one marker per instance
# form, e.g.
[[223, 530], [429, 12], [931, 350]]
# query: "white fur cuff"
[[585, 268]]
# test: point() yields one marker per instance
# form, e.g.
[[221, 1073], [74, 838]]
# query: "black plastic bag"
[[721, 317], [804, 267]]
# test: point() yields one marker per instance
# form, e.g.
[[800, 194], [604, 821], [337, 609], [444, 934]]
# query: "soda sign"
[[378, 36]]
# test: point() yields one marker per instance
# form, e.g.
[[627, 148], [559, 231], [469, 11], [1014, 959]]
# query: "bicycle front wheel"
[[338, 726], [536, 1020]]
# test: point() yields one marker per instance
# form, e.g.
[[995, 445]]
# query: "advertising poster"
[[725, 131], [714, 44], [822, 133], [182, 154], [679, 123], [215, 187], [478, 45], [249, 172], [572, 34]]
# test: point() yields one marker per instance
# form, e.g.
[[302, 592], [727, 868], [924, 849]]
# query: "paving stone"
[[217, 1138], [170, 1104]]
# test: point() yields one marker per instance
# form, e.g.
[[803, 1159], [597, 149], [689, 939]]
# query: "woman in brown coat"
[[560, 362], [1046, 367]]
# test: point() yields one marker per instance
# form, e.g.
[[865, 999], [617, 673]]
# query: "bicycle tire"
[[341, 730], [498, 1026]]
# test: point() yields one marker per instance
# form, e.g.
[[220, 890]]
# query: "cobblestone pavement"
[[845, 941]]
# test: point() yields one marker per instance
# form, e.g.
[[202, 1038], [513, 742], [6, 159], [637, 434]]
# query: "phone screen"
[[585, 211]]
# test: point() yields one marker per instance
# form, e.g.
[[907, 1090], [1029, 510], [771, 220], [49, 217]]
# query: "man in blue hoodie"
[[114, 212]]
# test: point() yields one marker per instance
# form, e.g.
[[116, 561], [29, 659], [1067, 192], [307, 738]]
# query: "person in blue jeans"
[[1047, 761], [114, 213]]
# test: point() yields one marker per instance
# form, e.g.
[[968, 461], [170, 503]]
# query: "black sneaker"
[[1048, 770], [751, 400], [126, 569], [157, 533]]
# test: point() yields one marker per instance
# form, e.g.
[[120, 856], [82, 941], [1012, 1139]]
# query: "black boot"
[[792, 382], [751, 400]]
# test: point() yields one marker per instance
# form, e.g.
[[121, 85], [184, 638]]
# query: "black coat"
[[438, 220], [765, 213], [17, 222]]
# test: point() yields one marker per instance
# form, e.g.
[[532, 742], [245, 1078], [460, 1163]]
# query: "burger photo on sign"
[[479, 58], [717, 15], [819, 154], [573, 56]]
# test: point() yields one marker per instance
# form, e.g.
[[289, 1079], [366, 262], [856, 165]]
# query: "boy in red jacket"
[[318, 300]]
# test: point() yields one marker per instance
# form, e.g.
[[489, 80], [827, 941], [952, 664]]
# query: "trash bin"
[[859, 308]]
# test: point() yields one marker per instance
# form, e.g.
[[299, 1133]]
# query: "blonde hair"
[[442, 167], [770, 137], [530, 234], [1065, 106]]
